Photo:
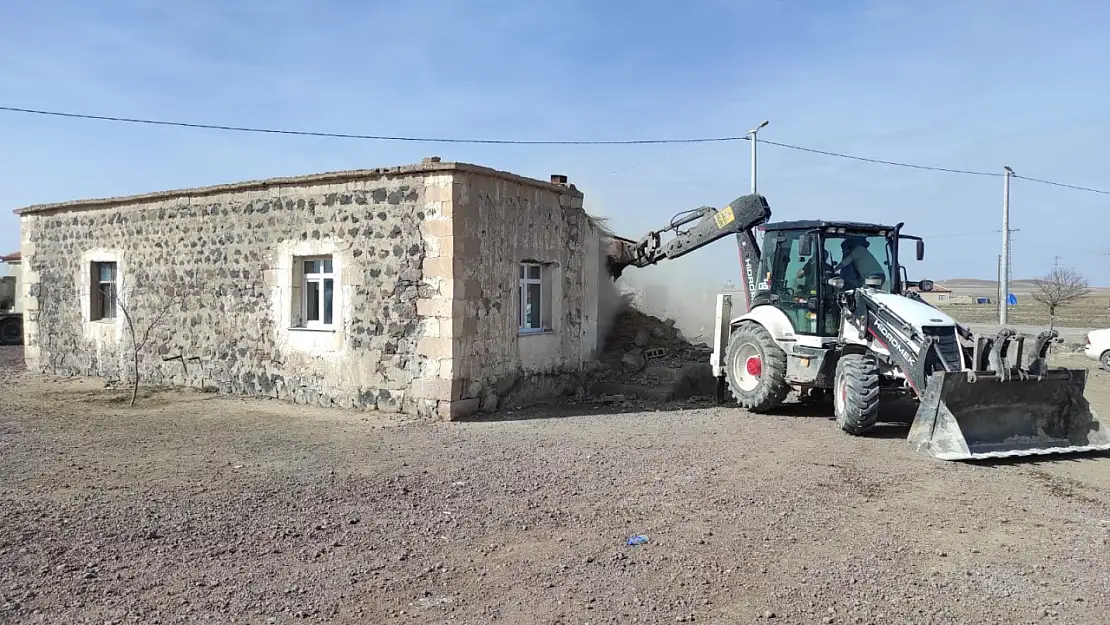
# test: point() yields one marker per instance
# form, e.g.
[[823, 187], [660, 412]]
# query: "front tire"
[[856, 393], [755, 367]]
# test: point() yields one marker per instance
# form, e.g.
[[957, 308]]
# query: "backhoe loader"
[[828, 309]]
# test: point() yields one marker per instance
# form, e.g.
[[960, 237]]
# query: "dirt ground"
[[198, 509]]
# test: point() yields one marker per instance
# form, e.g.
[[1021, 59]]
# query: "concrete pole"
[[754, 140], [1005, 282], [998, 280]]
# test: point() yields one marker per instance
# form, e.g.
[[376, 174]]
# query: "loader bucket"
[[971, 417]]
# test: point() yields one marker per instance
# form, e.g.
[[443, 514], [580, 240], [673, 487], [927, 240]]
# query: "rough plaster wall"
[[499, 224], [239, 245]]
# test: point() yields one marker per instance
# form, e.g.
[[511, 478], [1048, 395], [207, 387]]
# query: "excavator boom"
[[739, 218]]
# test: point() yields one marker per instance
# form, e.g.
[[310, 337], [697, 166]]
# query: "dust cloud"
[[672, 291]]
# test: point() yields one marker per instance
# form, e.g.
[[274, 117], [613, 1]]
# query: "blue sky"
[[974, 85]]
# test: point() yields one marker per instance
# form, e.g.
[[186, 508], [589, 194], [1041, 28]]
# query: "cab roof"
[[810, 224]]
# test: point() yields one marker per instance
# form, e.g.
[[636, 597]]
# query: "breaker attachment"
[[999, 409]]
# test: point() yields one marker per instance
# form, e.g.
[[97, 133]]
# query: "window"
[[860, 256], [790, 278], [317, 292], [533, 298], [104, 290]]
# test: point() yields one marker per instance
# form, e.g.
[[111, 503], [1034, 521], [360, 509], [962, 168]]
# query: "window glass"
[[858, 257], [790, 279], [312, 301], [532, 306]]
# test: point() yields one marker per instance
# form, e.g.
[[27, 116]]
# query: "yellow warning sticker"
[[724, 217]]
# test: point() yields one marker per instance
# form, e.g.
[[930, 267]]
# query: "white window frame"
[[97, 301], [523, 282], [319, 278]]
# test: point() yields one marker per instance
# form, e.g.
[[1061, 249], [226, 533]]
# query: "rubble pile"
[[648, 358]]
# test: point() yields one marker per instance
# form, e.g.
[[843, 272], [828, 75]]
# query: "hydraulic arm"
[[739, 217]]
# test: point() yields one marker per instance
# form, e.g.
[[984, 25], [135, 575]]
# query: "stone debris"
[[647, 358]]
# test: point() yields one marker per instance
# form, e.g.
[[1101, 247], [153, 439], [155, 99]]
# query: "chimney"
[[558, 179], [428, 160]]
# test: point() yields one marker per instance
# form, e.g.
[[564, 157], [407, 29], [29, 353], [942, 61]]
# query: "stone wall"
[[425, 259], [219, 263], [499, 224]]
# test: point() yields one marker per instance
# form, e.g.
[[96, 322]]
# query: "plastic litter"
[[637, 540]]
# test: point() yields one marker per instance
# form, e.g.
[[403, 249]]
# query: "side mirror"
[[805, 248], [836, 283], [925, 286], [920, 250]]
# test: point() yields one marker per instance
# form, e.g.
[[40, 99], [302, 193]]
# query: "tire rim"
[[841, 395], [747, 367]]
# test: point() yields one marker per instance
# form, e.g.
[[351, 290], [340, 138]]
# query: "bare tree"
[[1061, 287], [142, 320]]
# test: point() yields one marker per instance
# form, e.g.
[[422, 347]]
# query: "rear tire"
[[755, 367], [856, 393], [1104, 360], [11, 331]]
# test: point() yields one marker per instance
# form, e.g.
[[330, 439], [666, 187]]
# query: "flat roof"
[[427, 166]]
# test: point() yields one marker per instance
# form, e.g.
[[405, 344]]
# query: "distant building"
[[939, 294]]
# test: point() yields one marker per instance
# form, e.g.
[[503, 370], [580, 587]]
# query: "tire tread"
[[861, 406]]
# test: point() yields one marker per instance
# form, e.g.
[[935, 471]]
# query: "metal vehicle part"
[[829, 311]]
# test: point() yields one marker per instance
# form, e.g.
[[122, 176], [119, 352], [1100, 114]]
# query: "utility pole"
[[1055, 262], [998, 282], [752, 135], [1004, 286], [754, 140]]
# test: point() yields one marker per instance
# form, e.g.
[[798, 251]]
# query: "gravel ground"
[[199, 509]]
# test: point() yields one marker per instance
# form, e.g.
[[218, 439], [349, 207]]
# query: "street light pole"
[[752, 135], [1004, 287]]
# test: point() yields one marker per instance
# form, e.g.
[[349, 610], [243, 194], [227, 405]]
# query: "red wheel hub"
[[754, 366]]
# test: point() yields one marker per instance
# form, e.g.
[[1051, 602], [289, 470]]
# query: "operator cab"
[[807, 265]]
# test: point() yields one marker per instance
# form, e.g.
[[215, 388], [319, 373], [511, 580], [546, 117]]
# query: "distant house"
[[939, 294]]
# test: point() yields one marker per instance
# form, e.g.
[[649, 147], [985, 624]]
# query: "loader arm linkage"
[[981, 403], [916, 355]]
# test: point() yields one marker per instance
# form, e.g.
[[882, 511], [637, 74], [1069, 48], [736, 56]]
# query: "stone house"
[[435, 289]]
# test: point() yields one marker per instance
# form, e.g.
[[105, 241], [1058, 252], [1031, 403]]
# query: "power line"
[[880, 161], [1060, 184], [338, 135]]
